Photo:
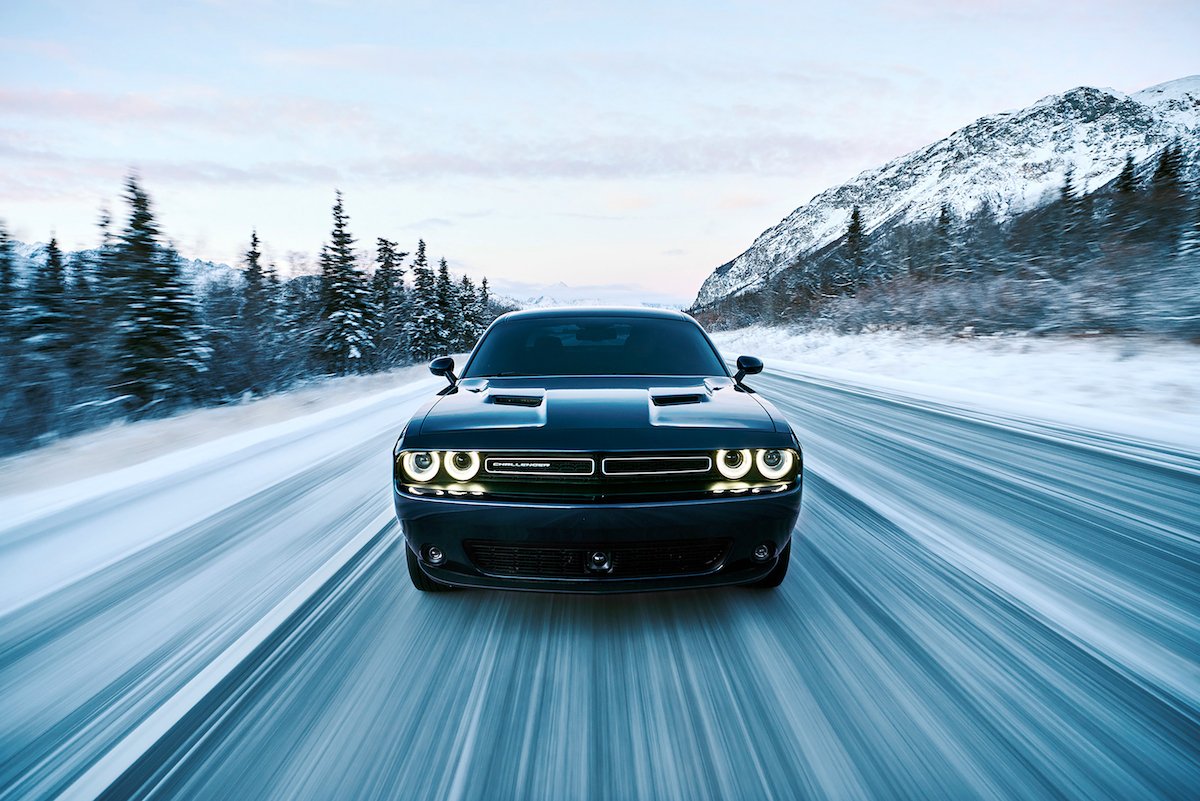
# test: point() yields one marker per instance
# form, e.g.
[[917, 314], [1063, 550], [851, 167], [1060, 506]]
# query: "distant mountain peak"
[[1178, 89], [1013, 161]]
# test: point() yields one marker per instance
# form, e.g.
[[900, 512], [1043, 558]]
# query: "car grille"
[[629, 560], [575, 478]]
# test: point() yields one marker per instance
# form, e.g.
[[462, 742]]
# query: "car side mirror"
[[747, 365], [444, 366]]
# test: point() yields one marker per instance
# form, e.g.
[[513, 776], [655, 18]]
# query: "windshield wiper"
[[506, 375]]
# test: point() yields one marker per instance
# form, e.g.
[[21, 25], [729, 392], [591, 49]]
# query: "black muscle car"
[[596, 450]]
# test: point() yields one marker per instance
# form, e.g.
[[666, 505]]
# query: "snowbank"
[[123, 445], [1137, 383]]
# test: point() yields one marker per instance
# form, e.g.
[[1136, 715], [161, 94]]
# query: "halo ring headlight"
[[421, 465], [462, 465], [774, 463], [734, 464]]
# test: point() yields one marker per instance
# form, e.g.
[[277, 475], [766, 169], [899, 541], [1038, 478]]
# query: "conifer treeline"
[[122, 332], [1122, 259]]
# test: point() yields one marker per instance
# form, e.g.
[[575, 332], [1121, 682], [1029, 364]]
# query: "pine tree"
[[1167, 205], [1122, 216], [856, 246], [161, 350], [47, 296], [945, 265], [254, 286], [39, 378], [448, 333], [1168, 173], [387, 292], [8, 266], [1071, 235], [468, 315], [346, 343], [421, 329], [8, 289], [1126, 182], [254, 324]]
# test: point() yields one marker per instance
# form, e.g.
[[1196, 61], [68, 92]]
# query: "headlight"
[[421, 465], [462, 465], [733, 464], [774, 462]]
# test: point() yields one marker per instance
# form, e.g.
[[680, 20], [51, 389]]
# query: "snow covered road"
[[978, 607]]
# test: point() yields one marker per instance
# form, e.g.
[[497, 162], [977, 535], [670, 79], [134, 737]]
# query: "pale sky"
[[601, 143]]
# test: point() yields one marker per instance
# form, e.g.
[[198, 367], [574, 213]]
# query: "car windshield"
[[594, 345]]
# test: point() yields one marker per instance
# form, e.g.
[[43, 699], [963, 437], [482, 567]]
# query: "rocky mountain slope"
[[1012, 160]]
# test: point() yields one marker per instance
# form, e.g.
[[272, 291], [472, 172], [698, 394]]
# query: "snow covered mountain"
[[30, 256], [525, 296], [1013, 160]]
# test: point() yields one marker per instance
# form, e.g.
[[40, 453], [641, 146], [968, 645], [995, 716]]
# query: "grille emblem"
[[599, 562], [541, 465]]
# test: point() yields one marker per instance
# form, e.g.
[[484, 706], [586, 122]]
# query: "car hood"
[[593, 412]]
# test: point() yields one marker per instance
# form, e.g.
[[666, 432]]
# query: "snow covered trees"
[[390, 302], [1115, 258], [424, 321], [345, 342], [129, 329], [162, 352]]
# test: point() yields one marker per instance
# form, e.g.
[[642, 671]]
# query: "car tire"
[[419, 579], [775, 577]]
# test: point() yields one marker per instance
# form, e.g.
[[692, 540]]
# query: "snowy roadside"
[[125, 445], [1138, 387]]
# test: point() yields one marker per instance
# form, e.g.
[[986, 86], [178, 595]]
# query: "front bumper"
[[747, 521]]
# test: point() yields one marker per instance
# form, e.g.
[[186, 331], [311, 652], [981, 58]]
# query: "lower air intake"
[[629, 560]]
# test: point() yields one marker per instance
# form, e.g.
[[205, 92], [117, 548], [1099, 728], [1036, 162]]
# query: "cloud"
[[623, 156], [428, 222], [640, 156], [187, 109], [46, 49], [31, 174], [743, 200]]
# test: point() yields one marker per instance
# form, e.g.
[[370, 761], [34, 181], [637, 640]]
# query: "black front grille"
[[628, 560], [655, 465]]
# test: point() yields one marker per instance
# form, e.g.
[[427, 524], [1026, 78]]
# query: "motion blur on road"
[[979, 606]]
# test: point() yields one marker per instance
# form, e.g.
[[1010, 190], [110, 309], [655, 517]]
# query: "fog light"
[[762, 552], [434, 555]]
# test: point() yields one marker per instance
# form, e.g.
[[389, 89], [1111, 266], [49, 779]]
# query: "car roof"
[[596, 311]]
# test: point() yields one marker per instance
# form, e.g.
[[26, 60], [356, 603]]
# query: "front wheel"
[[775, 577], [419, 579]]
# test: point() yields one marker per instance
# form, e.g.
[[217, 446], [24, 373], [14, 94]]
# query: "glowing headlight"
[[421, 465], [733, 464], [774, 463], [462, 465]]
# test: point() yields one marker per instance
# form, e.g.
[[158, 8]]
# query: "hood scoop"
[[678, 399], [526, 401]]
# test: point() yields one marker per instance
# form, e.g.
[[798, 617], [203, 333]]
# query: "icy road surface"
[[978, 606]]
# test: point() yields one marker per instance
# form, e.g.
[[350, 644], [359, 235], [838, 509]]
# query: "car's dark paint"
[[444, 366], [748, 521], [597, 415], [747, 365]]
